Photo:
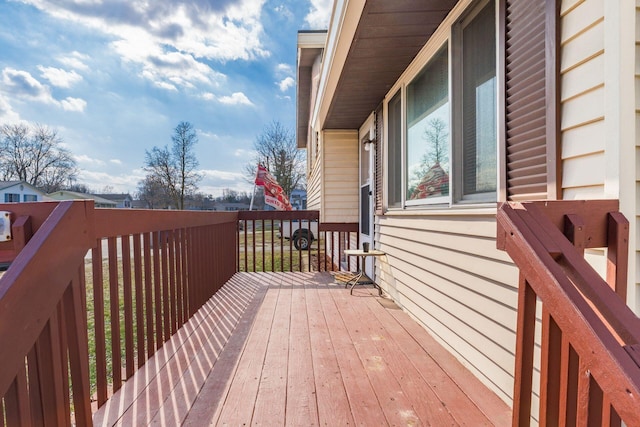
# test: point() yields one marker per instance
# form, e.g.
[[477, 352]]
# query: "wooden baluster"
[[550, 370], [125, 246], [99, 326], [114, 300], [16, 401], [76, 332], [524, 353], [137, 274]]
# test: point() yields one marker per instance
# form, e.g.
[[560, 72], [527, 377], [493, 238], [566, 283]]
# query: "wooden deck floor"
[[296, 349]]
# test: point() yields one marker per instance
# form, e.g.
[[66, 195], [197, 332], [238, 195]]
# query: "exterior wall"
[[314, 183], [444, 269], [599, 117], [583, 91], [634, 297], [340, 176]]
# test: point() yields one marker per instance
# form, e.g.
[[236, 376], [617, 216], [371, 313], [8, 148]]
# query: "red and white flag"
[[273, 193]]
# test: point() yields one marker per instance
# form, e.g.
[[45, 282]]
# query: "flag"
[[273, 193]]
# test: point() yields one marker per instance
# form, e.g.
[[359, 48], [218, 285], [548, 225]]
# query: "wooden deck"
[[296, 349]]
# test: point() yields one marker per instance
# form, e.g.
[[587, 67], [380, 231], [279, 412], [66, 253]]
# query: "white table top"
[[360, 252]]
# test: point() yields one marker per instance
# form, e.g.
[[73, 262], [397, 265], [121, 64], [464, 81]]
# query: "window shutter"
[[378, 160], [529, 31]]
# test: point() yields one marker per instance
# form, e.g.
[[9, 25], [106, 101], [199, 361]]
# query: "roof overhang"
[[374, 43], [310, 46]]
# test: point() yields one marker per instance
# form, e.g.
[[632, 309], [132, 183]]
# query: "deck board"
[[296, 349]]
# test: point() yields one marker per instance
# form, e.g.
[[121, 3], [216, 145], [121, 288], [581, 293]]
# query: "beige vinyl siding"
[[636, 254], [446, 272], [340, 176], [314, 185], [583, 98]]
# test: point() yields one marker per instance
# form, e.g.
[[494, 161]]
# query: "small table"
[[360, 274]]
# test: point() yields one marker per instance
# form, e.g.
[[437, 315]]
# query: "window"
[[29, 198], [428, 131], [11, 197], [478, 109], [442, 127]]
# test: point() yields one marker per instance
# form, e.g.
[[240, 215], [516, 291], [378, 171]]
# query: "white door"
[[366, 192]]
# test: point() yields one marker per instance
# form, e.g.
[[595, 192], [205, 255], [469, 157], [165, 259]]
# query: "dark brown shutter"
[[378, 160], [529, 31]]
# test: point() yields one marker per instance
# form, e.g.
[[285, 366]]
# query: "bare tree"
[[276, 149], [153, 193], [175, 169], [35, 154], [436, 148]]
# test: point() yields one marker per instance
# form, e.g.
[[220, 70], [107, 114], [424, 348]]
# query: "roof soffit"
[[388, 36]]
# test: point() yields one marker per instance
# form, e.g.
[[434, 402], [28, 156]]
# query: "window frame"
[[12, 197], [444, 37]]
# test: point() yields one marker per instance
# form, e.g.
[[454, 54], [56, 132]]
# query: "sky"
[[115, 77]]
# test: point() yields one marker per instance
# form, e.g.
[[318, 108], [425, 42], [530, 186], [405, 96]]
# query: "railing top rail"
[[117, 222], [277, 215]]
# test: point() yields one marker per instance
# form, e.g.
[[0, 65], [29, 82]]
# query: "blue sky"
[[115, 77]]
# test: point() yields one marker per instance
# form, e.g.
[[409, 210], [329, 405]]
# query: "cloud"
[[84, 159], [21, 84], [116, 161], [220, 175], [170, 39], [7, 115], [214, 181], [75, 60], [73, 104], [319, 14], [237, 98], [244, 154], [284, 12], [286, 84], [125, 182], [58, 77], [284, 69]]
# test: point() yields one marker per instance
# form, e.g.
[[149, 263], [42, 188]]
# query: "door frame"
[[366, 167]]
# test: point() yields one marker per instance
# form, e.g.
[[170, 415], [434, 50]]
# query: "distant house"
[[298, 199], [19, 191], [123, 200], [100, 202]]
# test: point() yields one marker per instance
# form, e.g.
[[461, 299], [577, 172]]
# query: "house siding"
[[599, 69], [340, 176], [635, 260], [445, 271], [314, 184], [582, 66]]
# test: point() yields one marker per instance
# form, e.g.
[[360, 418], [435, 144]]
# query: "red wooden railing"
[[590, 339], [260, 247], [92, 294], [158, 268]]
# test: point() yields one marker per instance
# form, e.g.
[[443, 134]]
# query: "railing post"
[[618, 253]]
